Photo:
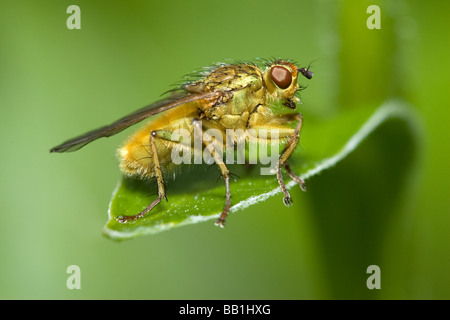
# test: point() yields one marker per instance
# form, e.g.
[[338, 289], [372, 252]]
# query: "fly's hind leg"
[[159, 180], [212, 147]]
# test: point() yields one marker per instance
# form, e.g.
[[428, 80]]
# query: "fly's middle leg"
[[212, 146]]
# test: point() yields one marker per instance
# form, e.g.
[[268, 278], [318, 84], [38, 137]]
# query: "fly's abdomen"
[[137, 156]]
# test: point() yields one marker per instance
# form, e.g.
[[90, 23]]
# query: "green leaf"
[[197, 196]]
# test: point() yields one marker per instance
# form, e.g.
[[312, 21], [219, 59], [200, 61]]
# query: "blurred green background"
[[387, 204]]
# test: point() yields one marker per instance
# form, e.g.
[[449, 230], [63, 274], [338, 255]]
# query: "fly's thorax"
[[234, 121], [235, 111], [242, 88], [233, 77]]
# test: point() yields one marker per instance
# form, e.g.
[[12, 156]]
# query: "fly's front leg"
[[293, 135], [288, 150], [294, 177], [212, 146], [159, 179]]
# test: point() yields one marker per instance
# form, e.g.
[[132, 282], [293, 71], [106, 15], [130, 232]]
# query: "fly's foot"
[[287, 200], [220, 222], [122, 219], [302, 185], [125, 219]]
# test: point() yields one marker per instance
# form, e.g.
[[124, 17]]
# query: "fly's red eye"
[[281, 76]]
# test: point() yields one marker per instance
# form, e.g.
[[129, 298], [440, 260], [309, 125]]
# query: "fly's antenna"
[[306, 72]]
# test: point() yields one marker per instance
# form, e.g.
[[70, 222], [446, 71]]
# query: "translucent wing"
[[175, 100]]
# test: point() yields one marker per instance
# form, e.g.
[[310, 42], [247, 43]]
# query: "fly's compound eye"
[[281, 76]]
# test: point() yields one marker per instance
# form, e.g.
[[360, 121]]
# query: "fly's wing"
[[131, 119]]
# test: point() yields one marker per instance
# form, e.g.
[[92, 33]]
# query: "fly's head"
[[280, 80]]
